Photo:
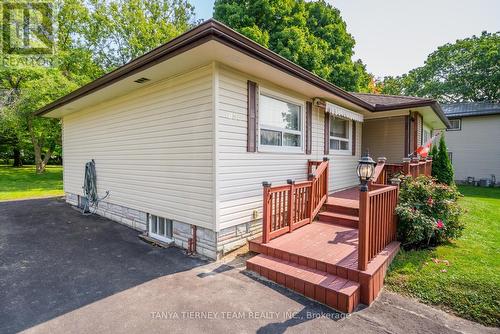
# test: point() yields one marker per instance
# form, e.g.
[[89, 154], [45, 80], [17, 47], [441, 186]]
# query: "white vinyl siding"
[[240, 174], [153, 148], [475, 148]]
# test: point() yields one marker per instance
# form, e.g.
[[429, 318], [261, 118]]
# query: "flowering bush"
[[428, 212]]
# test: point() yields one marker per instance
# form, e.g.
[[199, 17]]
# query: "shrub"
[[443, 170], [428, 212]]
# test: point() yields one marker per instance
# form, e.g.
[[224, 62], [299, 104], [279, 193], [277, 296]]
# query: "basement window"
[[160, 228]]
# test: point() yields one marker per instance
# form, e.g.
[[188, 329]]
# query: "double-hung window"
[[280, 124], [340, 134]]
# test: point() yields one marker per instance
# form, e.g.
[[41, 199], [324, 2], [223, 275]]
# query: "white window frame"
[[281, 149], [349, 135], [156, 235], [459, 124]]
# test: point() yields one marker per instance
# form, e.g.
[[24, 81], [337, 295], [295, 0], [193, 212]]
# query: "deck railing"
[[288, 207], [377, 221], [416, 167], [384, 172]]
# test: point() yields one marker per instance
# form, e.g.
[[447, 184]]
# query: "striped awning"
[[343, 112]]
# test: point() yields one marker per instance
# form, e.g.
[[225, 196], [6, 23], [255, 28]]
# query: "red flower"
[[430, 201], [439, 224]]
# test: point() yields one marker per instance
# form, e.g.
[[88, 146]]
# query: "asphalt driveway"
[[63, 272]]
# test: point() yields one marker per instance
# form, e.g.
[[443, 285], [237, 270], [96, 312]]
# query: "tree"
[[465, 71], [444, 169], [44, 133], [435, 161], [93, 37], [118, 31], [311, 34]]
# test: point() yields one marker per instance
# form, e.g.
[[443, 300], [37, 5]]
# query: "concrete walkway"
[[51, 281]]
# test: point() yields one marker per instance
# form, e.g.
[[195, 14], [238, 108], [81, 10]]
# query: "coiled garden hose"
[[90, 189]]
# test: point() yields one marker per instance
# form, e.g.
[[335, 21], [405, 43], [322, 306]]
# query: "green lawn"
[[470, 285], [18, 183]]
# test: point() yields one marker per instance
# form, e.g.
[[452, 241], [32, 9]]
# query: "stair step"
[[346, 210], [345, 202], [334, 291], [339, 219]]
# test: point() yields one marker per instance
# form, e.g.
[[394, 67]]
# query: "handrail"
[[288, 207], [379, 175], [377, 222]]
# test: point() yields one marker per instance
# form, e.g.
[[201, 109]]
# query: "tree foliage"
[[465, 71], [93, 37], [311, 34]]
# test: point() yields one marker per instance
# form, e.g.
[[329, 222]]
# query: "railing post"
[[327, 174], [406, 166], [291, 204], [429, 166], [364, 229], [416, 170], [266, 212], [311, 196]]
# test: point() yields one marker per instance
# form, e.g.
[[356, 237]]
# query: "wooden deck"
[[324, 248], [320, 260]]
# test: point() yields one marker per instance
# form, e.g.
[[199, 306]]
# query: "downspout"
[[192, 241]]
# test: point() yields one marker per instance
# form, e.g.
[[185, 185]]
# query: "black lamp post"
[[365, 171]]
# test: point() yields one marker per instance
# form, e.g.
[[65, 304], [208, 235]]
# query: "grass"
[[470, 285], [23, 182]]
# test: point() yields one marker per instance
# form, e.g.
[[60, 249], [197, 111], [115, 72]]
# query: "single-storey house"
[[184, 136], [188, 131], [473, 140]]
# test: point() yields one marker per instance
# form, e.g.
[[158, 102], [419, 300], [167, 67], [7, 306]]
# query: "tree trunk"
[[18, 161]]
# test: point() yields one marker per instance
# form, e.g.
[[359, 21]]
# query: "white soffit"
[[343, 112]]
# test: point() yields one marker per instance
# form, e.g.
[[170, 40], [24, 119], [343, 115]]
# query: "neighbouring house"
[[473, 140], [184, 136]]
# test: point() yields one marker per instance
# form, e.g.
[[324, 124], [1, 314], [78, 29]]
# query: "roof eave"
[[422, 103], [207, 31]]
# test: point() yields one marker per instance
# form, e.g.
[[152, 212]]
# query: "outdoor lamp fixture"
[[365, 171]]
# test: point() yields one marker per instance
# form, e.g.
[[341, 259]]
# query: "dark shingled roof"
[[390, 100], [466, 109], [381, 102]]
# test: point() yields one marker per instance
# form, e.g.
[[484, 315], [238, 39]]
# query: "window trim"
[[459, 124], [287, 99], [156, 235], [347, 151]]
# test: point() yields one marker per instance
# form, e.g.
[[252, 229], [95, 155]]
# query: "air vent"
[[141, 80]]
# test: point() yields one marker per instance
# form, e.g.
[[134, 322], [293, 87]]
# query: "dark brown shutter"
[[308, 127], [251, 116], [327, 133], [353, 138]]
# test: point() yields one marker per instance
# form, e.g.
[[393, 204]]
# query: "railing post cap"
[[266, 184], [381, 159], [406, 160], [326, 158], [290, 181]]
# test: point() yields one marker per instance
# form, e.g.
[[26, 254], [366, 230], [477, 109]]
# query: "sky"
[[395, 36]]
